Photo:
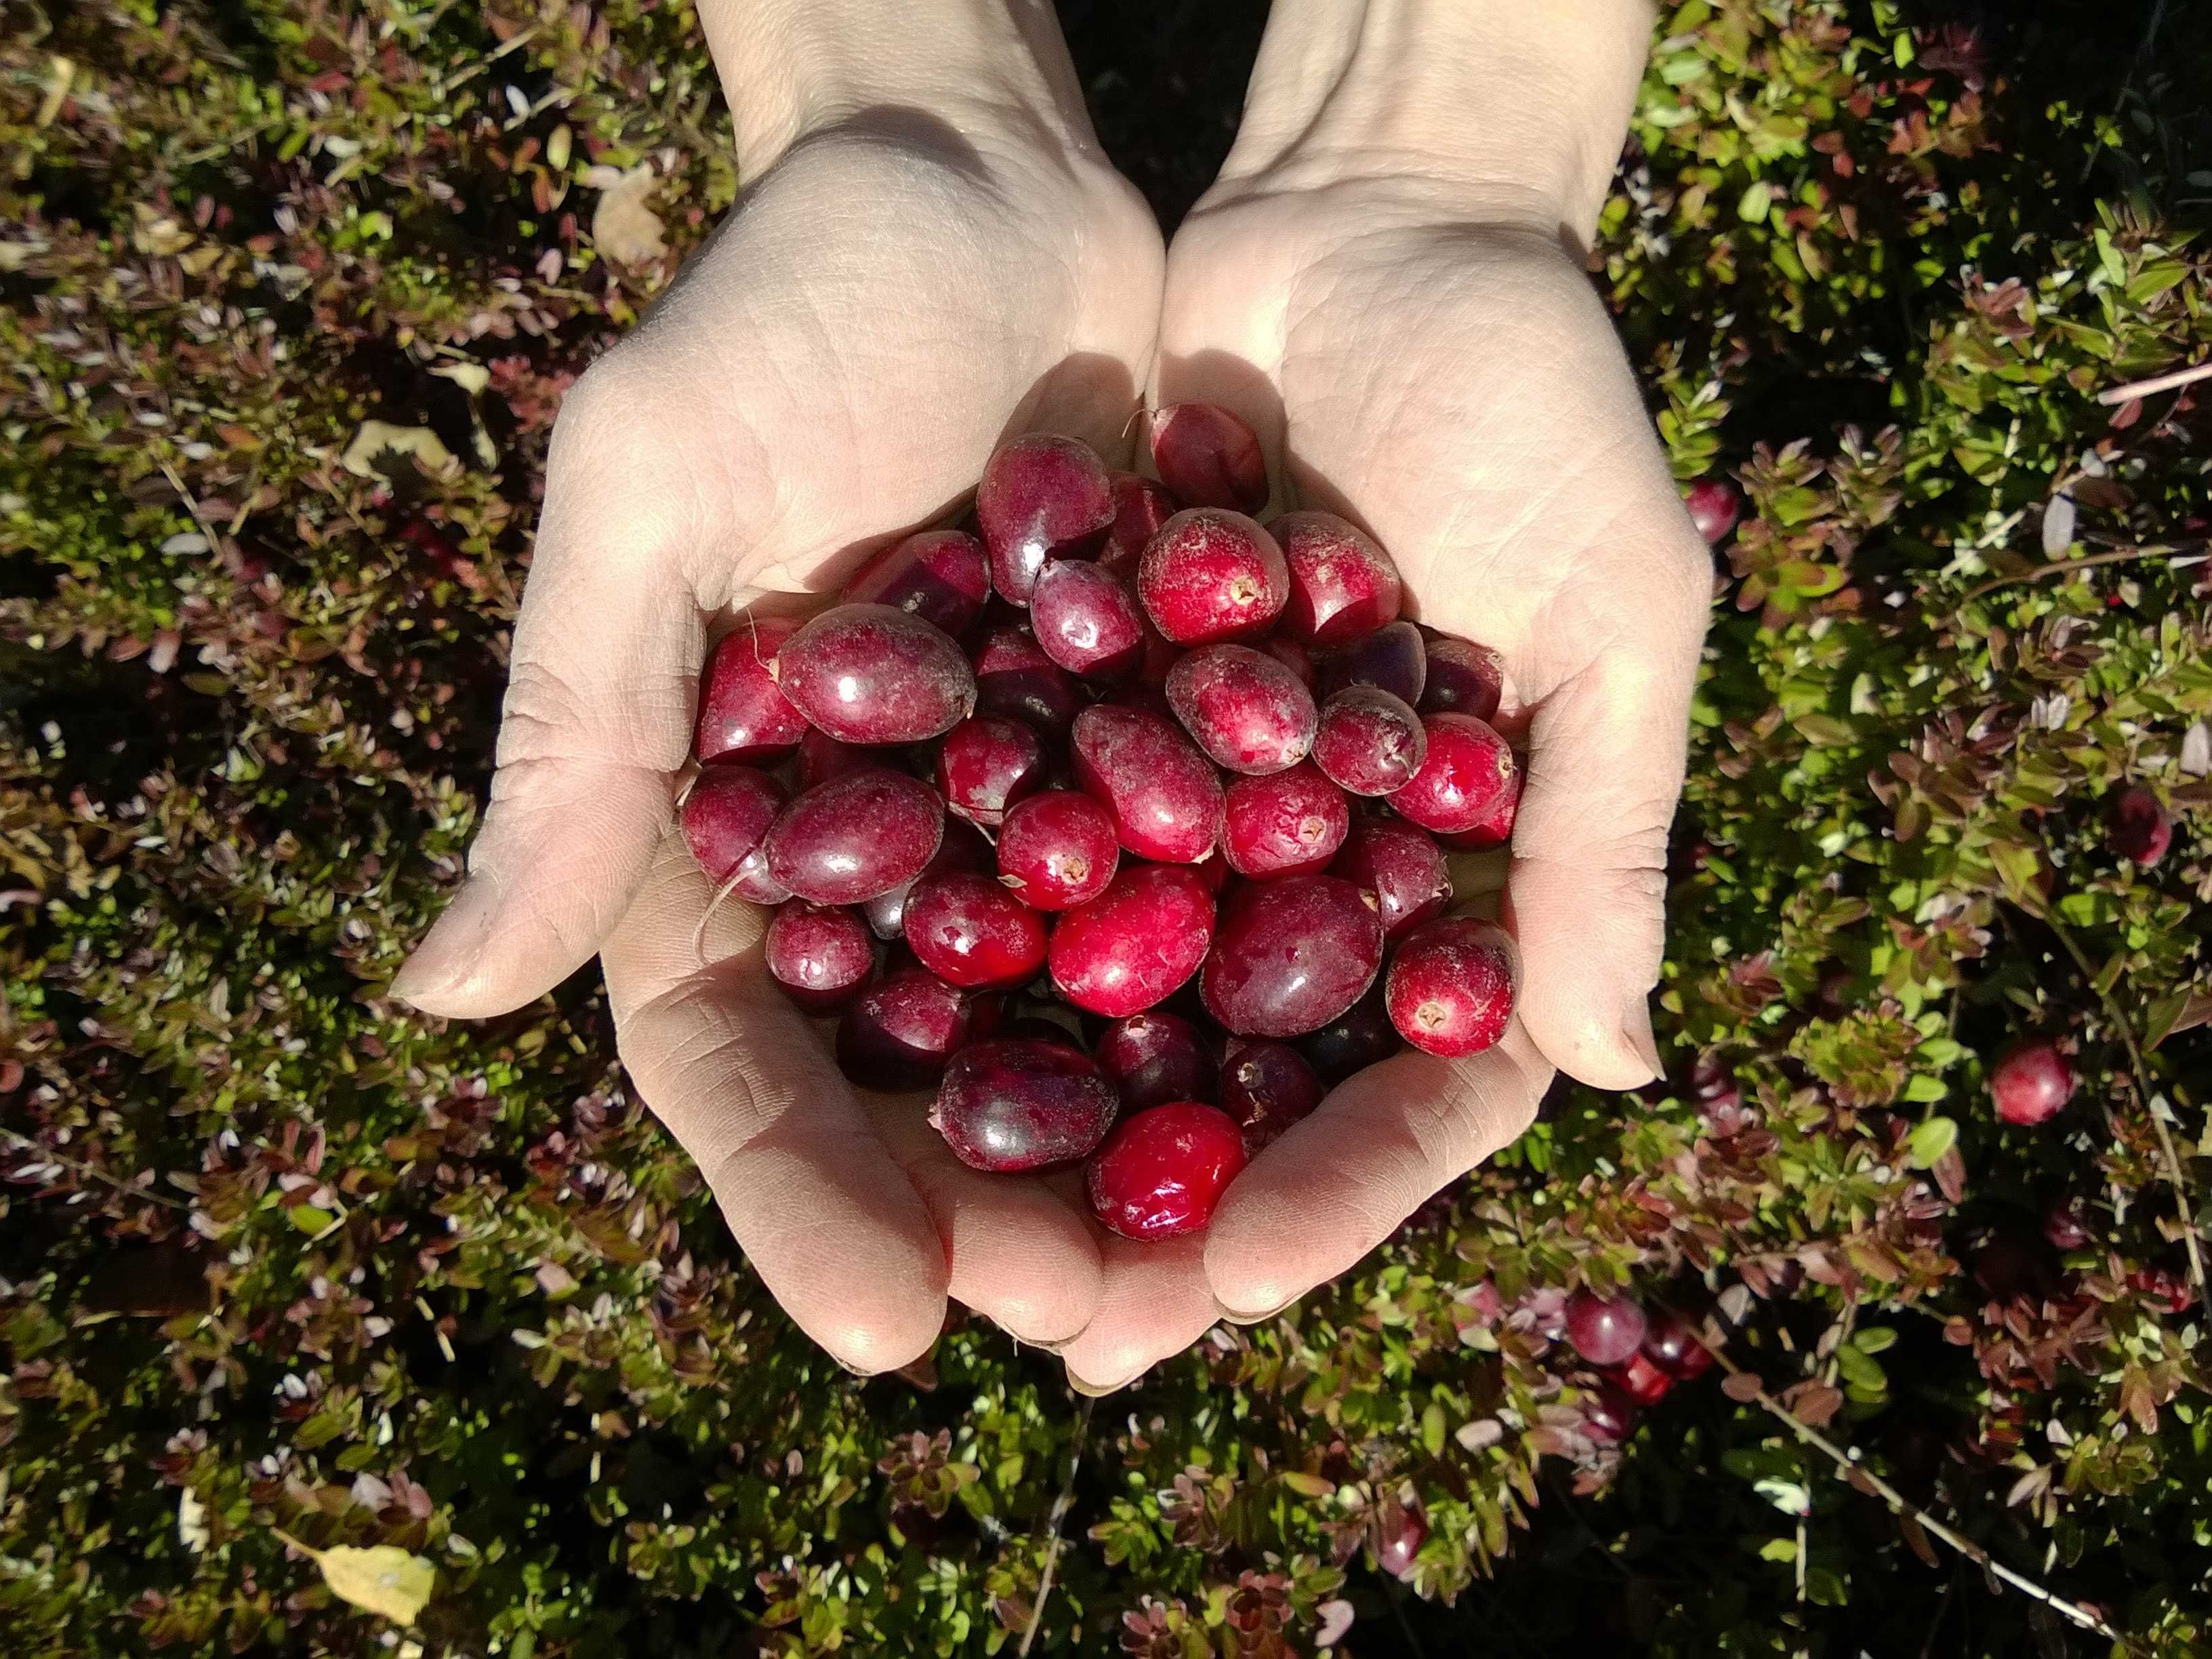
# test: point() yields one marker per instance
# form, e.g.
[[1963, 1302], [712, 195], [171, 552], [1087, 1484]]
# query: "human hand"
[[1383, 283], [930, 254]]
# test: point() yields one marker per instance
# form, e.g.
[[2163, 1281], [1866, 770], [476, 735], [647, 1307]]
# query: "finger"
[[829, 1220], [1338, 1182], [596, 722], [1154, 1303], [1018, 1250]]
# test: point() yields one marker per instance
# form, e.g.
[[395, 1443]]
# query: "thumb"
[[596, 724]]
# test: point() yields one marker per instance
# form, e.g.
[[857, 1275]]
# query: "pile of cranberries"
[[1149, 800]]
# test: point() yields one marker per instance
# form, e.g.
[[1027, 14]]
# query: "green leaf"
[[384, 1580], [1778, 1549], [1929, 1140], [1752, 206], [1432, 1429], [310, 1220]]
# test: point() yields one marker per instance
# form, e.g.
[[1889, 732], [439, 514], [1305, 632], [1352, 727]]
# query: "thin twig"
[[2151, 388], [47, 1155], [2065, 566], [214, 541], [1060, 1506]]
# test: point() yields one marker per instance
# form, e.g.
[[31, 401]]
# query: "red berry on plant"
[[1134, 944], [1369, 741], [1286, 823], [1342, 583], [942, 577], [870, 674], [970, 932], [1451, 988], [2031, 1082], [1399, 1534], [855, 836], [1211, 576], [1671, 1344], [1086, 620], [2066, 1225], [1715, 506], [1290, 955], [1606, 1330], [820, 955], [1153, 1058], [1640, 1379], [1266, 1086], [1164, 796], [986, 763], [1609, 1415], [1162, 1172], [1208, 458], [1020, 1103], [1465, 773], [2141, 830], [1402, 867], [1057, 850], [744, 716], [1248, 711], [1042, 497]]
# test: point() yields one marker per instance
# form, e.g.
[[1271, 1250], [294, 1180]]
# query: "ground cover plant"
[[326, 1328]]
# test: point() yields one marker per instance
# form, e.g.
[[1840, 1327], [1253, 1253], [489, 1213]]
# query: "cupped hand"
[[894, 295]]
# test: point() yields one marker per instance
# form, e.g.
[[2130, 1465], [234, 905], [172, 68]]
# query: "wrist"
[[1492, 110], [993, 72]]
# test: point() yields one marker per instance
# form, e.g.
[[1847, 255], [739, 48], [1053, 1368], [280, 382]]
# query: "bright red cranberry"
[[744, 716], [1290, 955], [821, 758], [1211, 576], [1604, 1329], [962, 848], [1013, 1103], [1361, 1035], [1057, 850], [1450, 989], [1042, 497], [1086, 620], [868, 674], [1402, 867], [1293, 656], [1208, 458], [1399, 1534], [1153, 1058], [942, 577], [986, 763], [1609, 1415], [1243, 707], [1670, 1344], [1342, 583], [2141, 830], [1467, 769], [1267, 1087], [2066, 1225], [1369, 741], [1140, 508], [1392, 658], [2031, 1081], [1713, 507], [1494, 828], [1163, 1170], [1014, 677], [970, 932], [1640, 1380], [898, 1034], [855, 836], [1464, 679], [1164, 796], [1135, 943], [821, 956], [1287, 823], [726, 816]]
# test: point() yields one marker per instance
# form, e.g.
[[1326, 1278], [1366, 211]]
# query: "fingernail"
[[1236, 1318], [1093, 1391], [1637, 1027], [449, 950]]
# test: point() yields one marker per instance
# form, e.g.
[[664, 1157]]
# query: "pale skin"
[[933, 255]]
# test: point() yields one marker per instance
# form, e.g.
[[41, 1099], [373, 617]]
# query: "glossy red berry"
[[970, 932], [1463, 678], [962, 848], [1290, 955], [744, 717], [1211, 576], [1286, 823], [1208, 458], [821, 956], [855, 836], [1162, 1172], [1014, 677], [1266, 1086], [1153, 1058], [870, 674], [1640, 1380], [1715, 506], [1134, 944], [898, 1034], [1402, 867], [2066, 1225], [1244, 708], [1057, 850], [1342, 583], [1392, 658], [1140, 508], [1465, 773], [2031, 1081], [1164, 796], [1606, 1330], [1670, 1344], [1086, 620], [1495, 826], [726, 816], [1451, 988], [1020, 1103], [942, 577], [2141, 830], [988, 762], [1042, 497], [1368, 741]]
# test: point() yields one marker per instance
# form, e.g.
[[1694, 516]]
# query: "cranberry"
[[1494, 828], [1140, 508], [1014, 677], [1714, 507], [1163, 1170], [1018, 1103], [1208, 458], [1042, 497], [1450, 989], [1369, 741], [1402, 867], [986, 763], [2031, 1081], [726, 816], [2066, 1225], [1135, 943], [970, 932], [2141, 830], [1267, 1087], [1361, 1035], [1670, 1343], [1392, 658], [1640, 1380], [1291, 955], [1243, 707], [744, 716], [1287, 823], [868, 674], [898, 1034], [821, 956], [1604, 1329], [1467, 769], [1087, 620], [962, 848], [1154, 1058], [942, 577], [1293, 656], [1057, 850], [821, 758], [1342, 584], [855, 836], [1399, 1534], [1164, 796], [2162, 1287], [1211, 576], [1464, 679], [1609, 1415]]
